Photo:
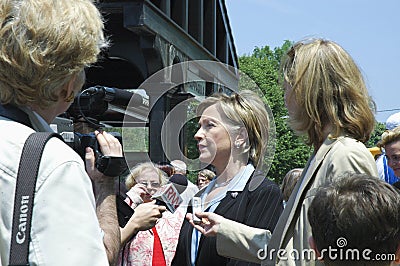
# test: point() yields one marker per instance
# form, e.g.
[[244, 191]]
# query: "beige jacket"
[[288, 245]]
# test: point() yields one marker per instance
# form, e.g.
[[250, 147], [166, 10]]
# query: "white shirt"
[[65, 229]]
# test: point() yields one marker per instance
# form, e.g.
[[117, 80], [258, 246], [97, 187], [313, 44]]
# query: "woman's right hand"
[[209, 222], [141, 191]]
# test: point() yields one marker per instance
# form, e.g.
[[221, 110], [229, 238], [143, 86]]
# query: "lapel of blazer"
[[287, 217], [232, 195], [228, 201], [223, 207]]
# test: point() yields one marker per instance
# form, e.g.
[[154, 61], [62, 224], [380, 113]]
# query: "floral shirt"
[[139, 250]]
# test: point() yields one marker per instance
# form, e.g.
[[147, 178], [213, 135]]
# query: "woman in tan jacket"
[[328, 103]]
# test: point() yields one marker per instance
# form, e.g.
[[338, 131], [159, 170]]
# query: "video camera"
[[88, 107], [79, 141]]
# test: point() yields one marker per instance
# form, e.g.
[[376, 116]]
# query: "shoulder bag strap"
[[24, 193]]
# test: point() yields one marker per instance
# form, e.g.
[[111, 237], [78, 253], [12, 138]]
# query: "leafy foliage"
[[376, 135]]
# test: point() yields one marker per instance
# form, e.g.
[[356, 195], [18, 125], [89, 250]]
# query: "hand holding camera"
[[110, 163]]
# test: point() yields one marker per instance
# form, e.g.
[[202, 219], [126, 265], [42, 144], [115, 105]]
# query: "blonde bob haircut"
[[139, 169], [244, 109], [389, 136], [328, 88], [45, 43]]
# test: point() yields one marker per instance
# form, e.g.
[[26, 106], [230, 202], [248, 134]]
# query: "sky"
[[368, 30]]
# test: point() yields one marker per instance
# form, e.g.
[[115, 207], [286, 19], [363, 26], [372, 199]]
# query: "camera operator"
[[45, 46]]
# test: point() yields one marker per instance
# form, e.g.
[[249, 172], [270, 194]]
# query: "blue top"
[[238, 183], [385, 172]]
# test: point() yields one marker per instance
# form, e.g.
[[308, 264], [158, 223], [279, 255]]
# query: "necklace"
[[216, 185], [222, 184]]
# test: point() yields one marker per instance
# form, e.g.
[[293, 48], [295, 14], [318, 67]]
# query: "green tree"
[[376, 135]]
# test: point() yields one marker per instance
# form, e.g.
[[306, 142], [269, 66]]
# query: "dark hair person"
[[362, 210]]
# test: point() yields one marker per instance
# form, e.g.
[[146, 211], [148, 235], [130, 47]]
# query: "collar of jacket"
[[14, 113]]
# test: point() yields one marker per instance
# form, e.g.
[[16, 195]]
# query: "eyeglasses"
[[393, 159], [148, 183]]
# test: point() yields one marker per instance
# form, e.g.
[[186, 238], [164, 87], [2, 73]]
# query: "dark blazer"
[[260, 208]]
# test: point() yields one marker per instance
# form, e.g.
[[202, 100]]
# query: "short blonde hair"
[[44, 43], [139, 169], [389, 136], [329, 88], [244, 109]]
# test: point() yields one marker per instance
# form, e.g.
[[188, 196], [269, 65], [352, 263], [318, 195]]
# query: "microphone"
[[124, 211], [118, 96], [169, 195]]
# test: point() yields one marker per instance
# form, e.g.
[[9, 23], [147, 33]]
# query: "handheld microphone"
[[119, 96], [124, 211], [169, 195]]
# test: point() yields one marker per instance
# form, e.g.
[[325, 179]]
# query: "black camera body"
[[87, 107], [91, 102], [78, 142]]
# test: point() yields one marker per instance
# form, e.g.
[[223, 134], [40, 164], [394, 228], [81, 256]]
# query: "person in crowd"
[[289, 182], [166, 167], [390, 143], [143, 243], [204, 177], [180, 168], [384, 170], [358, 216], [45, 47], [142, 192], [328, 103], [232, 136]]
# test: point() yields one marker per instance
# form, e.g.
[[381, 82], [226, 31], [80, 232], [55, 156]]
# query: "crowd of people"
[[336, 201]]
